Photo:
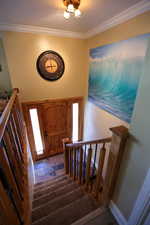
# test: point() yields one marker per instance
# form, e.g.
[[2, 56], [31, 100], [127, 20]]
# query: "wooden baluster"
[[19, 127], [71, 162], [18, 115], [95, 155], [80, 165], [66, 154], [14, 162], [19, 108], [6, 208], [69, 150], [17, 136], [13, 141], [84, 163], [74, 163], [14, 147], [88, 166], [10, 179], [100, 170]]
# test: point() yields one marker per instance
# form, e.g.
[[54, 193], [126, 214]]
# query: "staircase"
[[81, 194], [60, 202]]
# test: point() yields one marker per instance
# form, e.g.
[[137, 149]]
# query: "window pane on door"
[[75, 117], [36, 131]]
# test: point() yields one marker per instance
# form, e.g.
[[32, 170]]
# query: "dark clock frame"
[[40, 65]]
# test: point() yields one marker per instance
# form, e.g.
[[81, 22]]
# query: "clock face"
[[50, 65]]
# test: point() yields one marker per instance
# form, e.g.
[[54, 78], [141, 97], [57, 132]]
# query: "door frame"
[[34, 104]]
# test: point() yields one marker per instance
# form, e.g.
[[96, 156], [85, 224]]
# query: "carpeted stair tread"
[[50, 181], [70, 213], [103, 219], [51, 195], [57, 203], [50, 188], [48, 184]]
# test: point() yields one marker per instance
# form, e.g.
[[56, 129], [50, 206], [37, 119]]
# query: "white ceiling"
[[49, 13]]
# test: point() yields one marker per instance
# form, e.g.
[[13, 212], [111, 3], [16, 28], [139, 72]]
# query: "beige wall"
[[98, 122], [22, 50], [100, 118]]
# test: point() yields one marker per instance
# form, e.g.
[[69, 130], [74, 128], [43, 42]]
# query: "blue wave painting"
[[114, 76]]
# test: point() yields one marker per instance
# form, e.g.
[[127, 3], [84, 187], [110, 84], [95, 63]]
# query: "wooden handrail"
[[80, 143], [6, 113]]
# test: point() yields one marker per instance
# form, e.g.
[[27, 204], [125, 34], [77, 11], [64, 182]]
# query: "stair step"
[[49, 188], [104, 218], [51, 180], [91, 216], [55, 204], [49, 196], [70, 213]]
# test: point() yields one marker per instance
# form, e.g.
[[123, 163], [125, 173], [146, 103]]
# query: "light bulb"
[[77, 13], [66, 15], [70, 8]]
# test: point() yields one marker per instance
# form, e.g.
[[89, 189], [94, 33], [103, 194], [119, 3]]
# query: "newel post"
[[66, 154], [119, 138]]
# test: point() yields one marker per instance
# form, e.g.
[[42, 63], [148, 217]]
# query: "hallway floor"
[[49, 168]]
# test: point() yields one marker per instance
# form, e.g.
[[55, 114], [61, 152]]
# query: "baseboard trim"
[[86, 219], [117, 214], [142, 203]]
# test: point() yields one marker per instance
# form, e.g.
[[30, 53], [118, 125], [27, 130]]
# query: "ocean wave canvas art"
[[114, 76]]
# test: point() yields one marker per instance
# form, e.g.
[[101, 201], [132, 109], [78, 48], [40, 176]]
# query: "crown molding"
[[122, 17], [37, 29]]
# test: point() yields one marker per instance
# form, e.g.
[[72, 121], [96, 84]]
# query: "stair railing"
[[95, 164], [13, 159]]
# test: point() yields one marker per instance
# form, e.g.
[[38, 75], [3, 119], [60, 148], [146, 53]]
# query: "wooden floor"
[[52, 167], [49, 168]]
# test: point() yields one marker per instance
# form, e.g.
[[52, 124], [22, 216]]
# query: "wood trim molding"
[[141, 204], [131, 12], [89, 217], [117, 214], [71, 99]]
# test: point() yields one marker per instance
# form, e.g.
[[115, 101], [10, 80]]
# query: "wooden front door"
[[55, 123]]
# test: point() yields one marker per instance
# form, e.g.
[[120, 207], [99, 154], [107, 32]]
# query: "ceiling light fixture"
[[72, 8]]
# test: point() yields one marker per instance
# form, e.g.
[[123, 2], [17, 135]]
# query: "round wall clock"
[[50, 65]]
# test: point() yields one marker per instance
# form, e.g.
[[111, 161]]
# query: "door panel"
[[55, 125]]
